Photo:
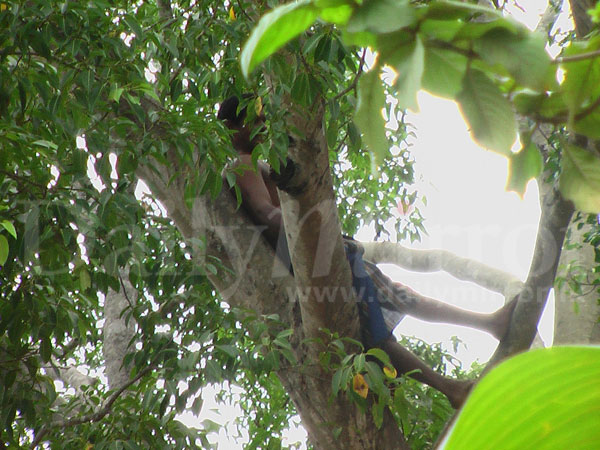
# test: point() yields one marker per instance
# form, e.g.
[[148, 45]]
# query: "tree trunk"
[[117, 333], [331, 423], [577, 315]]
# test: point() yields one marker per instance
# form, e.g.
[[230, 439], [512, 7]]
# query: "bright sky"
[[469, 213]]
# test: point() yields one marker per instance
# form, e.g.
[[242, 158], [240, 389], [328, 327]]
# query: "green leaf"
[[444, 72], [46, 144], [580, 178], [197, 405], [134, 25], [458, 10], [176, 89], [376, 378], [382, 16], [527, 101], [336, 382], [443, 30], [359, 362], [473, 30], [85, 281], [274, 30], [380, 355], [331, 134], [368, 117], [300, 89], [544, 399], [3, 250], [22, 96], [522, 167], [230, 350], [588, 125], [554, 105], [110, 263], [500, 46], [8, 226], [354, 136], [115, 92], [409, 62], [582, 78], [360, 39], [377, 410], [46, 349], [334, 11], [489, 115]]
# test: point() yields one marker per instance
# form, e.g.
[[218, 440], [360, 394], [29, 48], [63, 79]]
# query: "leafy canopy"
[[478, 63]]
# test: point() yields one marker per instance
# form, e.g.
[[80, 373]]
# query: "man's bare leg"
[[432, 310], [404, 361]]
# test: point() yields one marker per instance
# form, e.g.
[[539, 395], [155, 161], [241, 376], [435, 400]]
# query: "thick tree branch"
[[313, 231], [583, 22], [549, 17], [577, 325], [435, 260], [255, 280], [556, 214], [117, 332]]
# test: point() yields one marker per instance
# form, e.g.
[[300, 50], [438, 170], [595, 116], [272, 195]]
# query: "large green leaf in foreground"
[[543, 399], [489, 114], [274, 30]]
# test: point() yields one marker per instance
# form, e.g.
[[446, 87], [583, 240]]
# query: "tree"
[[102, 276]]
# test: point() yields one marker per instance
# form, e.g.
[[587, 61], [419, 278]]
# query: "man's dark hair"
[[229, 109]]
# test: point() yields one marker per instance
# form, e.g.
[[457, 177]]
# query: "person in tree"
[[382, 302]]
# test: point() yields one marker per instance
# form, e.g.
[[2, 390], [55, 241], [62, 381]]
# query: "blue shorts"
[[373, 327]]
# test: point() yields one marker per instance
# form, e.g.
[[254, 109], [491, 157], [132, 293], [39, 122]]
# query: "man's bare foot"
[[458, 392], [498, 324]]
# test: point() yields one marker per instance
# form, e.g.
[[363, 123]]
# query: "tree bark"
[[583, 22], [556, 214], [331, 423], [581, 327], [435, 260], [117, 333], [577, 324]]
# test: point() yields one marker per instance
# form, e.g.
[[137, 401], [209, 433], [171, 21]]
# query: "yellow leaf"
[[231, 13], [3, 6], [258, 106], [390, 372], [360, 385]]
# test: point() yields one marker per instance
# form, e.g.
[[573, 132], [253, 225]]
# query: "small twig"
[[574, 58], [94, 417], [587, 110], [176, 73], [239, 3], [518, 6], [355, 81], [21, 179], [125, 291], [562, 117]]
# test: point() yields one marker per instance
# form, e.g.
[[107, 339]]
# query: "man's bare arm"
[[258, 200]]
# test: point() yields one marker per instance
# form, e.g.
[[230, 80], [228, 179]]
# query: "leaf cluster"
[[87, 91], [368, 379], [467, 53]]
